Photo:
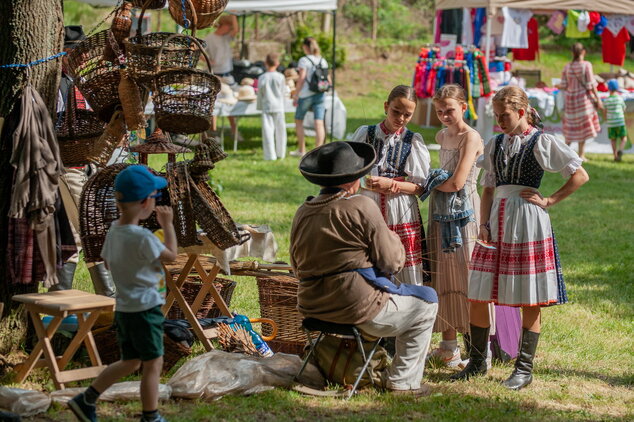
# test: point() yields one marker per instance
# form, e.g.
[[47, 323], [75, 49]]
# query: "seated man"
[[340, 245]]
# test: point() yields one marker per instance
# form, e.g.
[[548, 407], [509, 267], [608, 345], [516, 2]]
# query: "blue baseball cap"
[[135, 183], [613, 85]]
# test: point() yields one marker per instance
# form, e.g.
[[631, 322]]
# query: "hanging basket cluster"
[[142, 52]]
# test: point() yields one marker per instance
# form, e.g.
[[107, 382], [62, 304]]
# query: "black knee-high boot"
[[477, 365], [522, 375]]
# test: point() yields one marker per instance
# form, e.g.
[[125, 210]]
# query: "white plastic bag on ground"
[[23, 402], [123, 391], [217, 373]]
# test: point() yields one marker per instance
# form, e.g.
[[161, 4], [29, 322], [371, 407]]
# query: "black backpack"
[[319, 81]]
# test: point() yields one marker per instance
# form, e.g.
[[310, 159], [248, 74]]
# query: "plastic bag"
[[122, 391], [217, 373], [23, 402]]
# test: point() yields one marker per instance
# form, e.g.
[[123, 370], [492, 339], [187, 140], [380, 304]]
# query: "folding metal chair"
[[343, 331]]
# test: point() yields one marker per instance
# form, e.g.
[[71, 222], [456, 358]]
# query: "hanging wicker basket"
[[98, 209], [114, 135], [142, 53], [180, 198], [96, 78], [77, 132], [213, 217], [278, 301], [184, 98], [205, 12]]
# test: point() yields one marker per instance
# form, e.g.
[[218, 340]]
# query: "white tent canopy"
[[241, 6], [603, 6], [246, 6]]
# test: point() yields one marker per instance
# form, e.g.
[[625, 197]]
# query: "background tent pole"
[[243, 46], [334, 70], [487, 53]]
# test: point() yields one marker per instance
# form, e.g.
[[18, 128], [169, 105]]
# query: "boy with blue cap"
[[614, 108], [134, 254]]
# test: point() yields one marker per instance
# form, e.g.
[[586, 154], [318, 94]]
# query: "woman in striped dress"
[[580, 120]]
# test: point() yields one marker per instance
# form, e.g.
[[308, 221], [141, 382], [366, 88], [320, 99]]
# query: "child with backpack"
[[309, 94]]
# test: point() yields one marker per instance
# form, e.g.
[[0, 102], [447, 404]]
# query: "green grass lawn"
[[584, 370]]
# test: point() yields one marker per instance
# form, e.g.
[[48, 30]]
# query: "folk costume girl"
[[460, 146], [523, 270], [402, 168]]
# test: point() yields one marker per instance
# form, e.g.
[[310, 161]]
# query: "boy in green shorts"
[[613, 110], [133, 254]]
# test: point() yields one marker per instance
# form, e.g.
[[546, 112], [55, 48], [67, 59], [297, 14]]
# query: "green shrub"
[[324, 39]]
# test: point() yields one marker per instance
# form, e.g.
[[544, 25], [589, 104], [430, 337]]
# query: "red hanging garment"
[[614, 46], [533, 43]]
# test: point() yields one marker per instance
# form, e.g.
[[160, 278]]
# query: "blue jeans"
[[315, 103]]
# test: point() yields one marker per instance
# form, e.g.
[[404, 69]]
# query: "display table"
[[549, 105], [60, 304], [249, 109], [197, 259]]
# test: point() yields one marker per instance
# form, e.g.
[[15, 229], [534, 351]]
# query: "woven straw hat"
[[247, 93]]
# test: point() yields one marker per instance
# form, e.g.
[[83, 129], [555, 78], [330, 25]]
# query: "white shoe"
[[296, 153], [446, 357]]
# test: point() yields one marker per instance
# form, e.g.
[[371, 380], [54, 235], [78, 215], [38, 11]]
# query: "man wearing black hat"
[[341, 250]]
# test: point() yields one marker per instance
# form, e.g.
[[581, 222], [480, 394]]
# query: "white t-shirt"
[[305, 63], [271, 88], [515, 33], [220, 53], [132, 255]]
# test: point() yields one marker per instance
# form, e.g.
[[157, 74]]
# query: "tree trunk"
[[31, 30], [375, 19]]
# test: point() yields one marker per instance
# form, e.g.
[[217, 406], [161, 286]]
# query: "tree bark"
[[31, 30]]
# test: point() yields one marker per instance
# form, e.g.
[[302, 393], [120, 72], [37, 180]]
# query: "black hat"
[[73, 34], [337, 163]]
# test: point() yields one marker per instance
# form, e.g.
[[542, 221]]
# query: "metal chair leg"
[[310, 352], [366, 362]]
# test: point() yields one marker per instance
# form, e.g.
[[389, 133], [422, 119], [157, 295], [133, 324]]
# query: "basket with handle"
[[213, 217], [98, 209], [142, 52], [77, 131], [200, 13], [180, 198], [97, 78], [184, 98], [278, 301]]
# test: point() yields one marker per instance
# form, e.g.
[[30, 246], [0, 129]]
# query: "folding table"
[[60, 304]]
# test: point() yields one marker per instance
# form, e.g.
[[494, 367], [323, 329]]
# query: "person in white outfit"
[[271, 88]]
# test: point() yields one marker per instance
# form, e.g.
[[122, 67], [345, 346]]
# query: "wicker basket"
[[184, 98], [142, 53], [208, 309], [109, 352], [120, 28], [180, 198], [205, 12], [98, 209], [115, 134], [278, 301], [96, 78], [213, 217], [78, 130]]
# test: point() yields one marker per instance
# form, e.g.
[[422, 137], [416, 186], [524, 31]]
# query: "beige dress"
[[450, 271]]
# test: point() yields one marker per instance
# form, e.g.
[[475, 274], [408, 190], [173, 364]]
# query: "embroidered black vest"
[[521, 169], [396, 155]]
